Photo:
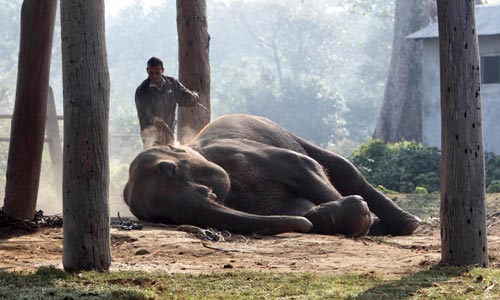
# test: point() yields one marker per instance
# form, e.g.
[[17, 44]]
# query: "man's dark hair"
[[155, 62]]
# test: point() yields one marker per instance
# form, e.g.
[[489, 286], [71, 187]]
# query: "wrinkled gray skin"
[[247, 174]]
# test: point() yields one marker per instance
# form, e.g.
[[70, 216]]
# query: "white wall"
[[431, 103]]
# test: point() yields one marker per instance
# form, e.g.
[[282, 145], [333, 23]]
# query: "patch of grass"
[[434, 283], [422, 205], [427, 205]]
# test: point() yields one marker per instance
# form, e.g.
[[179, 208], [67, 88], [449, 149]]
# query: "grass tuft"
[[433, 283]]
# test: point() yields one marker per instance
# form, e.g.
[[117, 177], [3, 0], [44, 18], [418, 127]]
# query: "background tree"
[[28, 121], [9, 51], [401, 113], [463, 217], [194, 65], [335, 96], [86, 110]]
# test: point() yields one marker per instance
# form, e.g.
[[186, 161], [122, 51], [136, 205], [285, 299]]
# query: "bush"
[[494, 187], [403, 167], [409, 167], [420, 190], [492, 166]]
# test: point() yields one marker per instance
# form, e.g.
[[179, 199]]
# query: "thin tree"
[[463, 220], [86, 114], [401, 113], [194, 65], [28, 120]]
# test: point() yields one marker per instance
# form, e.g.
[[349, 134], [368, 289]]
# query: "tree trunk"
[[401, 113], [463, 220], [194, 66], [54, 141], [28, 122], [86, 113]]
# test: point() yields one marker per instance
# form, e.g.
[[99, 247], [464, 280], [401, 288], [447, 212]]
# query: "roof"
[[487, 19]]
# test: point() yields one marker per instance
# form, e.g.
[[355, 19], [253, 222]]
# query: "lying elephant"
[[247, 174]]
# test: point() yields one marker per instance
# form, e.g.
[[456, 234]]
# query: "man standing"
[[156, 100]]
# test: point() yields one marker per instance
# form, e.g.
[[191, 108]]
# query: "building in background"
[[488, 27]]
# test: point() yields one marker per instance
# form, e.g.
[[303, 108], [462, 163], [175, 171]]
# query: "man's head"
[[155, 69]]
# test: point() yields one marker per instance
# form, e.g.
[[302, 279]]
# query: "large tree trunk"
[[463, 221], [86, 112], [401, 113], [194, 66], [28, 122]]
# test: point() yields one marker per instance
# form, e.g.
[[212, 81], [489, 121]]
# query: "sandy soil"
[[156, 248]]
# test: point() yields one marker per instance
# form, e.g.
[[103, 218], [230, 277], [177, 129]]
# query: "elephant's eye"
[[178, 150]]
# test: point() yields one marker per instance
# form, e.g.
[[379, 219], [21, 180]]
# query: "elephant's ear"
[[167, 168]]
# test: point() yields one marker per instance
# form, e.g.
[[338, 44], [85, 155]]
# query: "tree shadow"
[[406, 287], [13, 227], [52, 283], [8, 231]]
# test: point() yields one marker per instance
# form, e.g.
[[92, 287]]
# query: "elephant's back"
[[248, 127]]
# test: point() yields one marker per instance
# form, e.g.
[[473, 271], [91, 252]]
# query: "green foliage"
[[385, 190], [401, 167], [420, 190], [492, 167], [409, 167], [494, 187]]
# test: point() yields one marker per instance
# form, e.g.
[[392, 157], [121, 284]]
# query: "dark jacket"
[[150, 102]]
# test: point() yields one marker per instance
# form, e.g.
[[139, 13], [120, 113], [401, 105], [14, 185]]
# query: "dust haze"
[[318, 68]]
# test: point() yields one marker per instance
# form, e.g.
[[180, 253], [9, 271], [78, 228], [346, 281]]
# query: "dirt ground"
[[157, 248]]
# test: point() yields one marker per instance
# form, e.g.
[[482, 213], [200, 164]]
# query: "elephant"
[[247, 174]]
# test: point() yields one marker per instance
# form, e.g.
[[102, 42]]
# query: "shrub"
[[409, 167], [401, 167], [420, 190], [492, 168], [494, 187]]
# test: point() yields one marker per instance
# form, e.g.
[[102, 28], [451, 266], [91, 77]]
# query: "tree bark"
[[194, 65], [401, 113], [28, 122], [86, 114], [463, 219]]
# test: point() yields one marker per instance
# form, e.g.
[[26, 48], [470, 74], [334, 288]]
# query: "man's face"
[[155, 74]]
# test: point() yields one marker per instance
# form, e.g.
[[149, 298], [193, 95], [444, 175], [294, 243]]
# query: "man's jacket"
[[154, 102]]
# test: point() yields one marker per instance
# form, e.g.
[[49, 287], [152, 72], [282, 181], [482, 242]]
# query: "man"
[[156, 100]]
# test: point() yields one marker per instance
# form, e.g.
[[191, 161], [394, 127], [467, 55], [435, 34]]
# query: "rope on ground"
[[211, 234], [48, 221], [125, 224]]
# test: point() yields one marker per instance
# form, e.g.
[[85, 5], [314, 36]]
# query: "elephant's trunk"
[[207, 213]]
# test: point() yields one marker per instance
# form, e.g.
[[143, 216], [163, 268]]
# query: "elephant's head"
[[177, 185]]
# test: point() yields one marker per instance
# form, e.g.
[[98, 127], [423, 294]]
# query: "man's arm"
[[146, 118], [183, 96]]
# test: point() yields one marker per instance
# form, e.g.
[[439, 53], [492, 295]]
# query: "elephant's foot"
[[405, 225], [349, 216]]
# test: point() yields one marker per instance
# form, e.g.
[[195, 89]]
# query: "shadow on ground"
[[51, 283], [407, 287]]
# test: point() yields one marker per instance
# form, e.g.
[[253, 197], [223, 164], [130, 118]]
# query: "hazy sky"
[[114, 6]]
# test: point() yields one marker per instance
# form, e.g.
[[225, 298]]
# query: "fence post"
[[54, 141]]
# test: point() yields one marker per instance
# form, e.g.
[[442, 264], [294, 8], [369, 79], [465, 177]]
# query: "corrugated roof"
[[487, 19]]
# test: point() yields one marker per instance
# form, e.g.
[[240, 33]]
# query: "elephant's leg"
[[300, 175], [349, 181], [349, 216]]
